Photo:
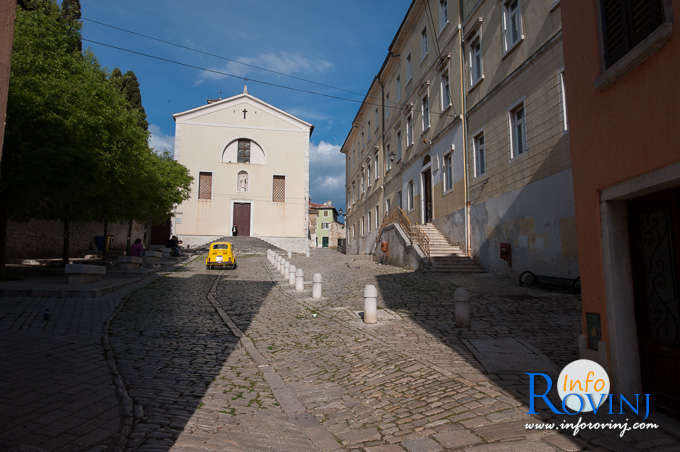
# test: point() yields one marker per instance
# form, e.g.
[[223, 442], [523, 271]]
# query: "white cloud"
[[285, 62], [327, 173], [159, 141]]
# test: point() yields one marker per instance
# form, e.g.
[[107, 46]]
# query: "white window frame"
[[376, 167], [508, 45], [387, 206], [377, 217], [443, 14], [409, 68], [388, 160], [475, 37], [363, 228], [477, 151], [410, 196], [512, 123], [362, 183], [445, 89], [447, 180], [423, 43], [425, 111], [563, 96], [368, 217], [409, 130], [368, 175], [400, 197]]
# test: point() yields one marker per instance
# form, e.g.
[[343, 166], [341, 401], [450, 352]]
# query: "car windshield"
[[221, 246]]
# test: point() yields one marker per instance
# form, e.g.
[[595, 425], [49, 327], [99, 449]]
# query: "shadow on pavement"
[[170, 346]]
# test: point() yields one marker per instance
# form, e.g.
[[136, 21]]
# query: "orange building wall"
[[628, 129]]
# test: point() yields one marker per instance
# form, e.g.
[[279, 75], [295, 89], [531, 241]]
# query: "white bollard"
[[307, 252], [299, 280], [316, 285], [291, 275], [461, 298], [290, 254], [370, 304]]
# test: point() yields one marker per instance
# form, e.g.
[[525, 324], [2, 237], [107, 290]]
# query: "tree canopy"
[[76, 140]]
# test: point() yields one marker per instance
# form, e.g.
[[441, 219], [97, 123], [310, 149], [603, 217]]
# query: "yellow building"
[[250, 163]]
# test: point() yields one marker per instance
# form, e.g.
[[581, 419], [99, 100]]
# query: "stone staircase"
[[445, 257]]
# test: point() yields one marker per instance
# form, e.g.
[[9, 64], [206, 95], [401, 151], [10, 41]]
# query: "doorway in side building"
[[241, 217], [324, 242], [654, 227], [426, 180]]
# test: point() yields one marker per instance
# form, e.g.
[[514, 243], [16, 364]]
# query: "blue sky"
[[341, 44]]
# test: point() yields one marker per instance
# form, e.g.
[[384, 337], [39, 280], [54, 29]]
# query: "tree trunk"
[[67, 240], [3, 239], [106, 241], [129, 237]]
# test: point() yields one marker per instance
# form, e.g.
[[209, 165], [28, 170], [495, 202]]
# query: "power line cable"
[[250, 79], [231, 60]]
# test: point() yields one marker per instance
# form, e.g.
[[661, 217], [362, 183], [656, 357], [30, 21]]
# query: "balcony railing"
[[397, 215]]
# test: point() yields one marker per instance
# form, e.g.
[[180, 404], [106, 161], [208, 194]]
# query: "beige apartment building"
[[464, 128], [250, 163]]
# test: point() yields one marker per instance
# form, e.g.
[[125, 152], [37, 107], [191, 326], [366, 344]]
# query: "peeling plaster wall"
[[537, 220]]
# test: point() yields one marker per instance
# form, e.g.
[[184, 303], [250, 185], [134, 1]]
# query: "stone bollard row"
[[370, 304], [299, 280], [291, 275]]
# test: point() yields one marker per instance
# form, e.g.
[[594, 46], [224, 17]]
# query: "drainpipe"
[[463, 101], [382, 150]]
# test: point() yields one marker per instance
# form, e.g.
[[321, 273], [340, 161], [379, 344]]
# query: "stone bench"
[[128, 263], [84, 273], [152, 258]]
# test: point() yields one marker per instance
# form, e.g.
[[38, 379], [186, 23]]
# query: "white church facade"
[[250, 163]]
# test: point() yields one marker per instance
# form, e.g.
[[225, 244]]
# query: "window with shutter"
[[626, 23], [205, 185], [279, 189]]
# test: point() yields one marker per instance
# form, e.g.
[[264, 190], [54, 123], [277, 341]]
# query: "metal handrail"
[[397, 215]]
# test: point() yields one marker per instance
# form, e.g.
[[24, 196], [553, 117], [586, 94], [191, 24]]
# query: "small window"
[[362, 227], [475, 51], [423, 42], [376, 168], [409, 130], [243, 151], [362, 182], [387, 206], [448, 171], [398, 145], [426, 112], [369, 221], [400, 200], [409, 68], [446, 90], [409, 195], [518, 131], [325, 213], [377, 217], [205, 185], [480, 155], [563, 95], [325, 225], [279, 189], [443, 13], [388, 159], [626, 23], [512, 24]]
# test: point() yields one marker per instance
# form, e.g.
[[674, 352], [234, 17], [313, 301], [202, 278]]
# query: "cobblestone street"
[[236, 360]]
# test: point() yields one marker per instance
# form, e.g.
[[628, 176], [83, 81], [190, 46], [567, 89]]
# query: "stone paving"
[[237, 361], [56, 391]]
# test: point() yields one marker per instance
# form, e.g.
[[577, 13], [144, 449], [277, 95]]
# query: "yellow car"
[[221, 254]]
